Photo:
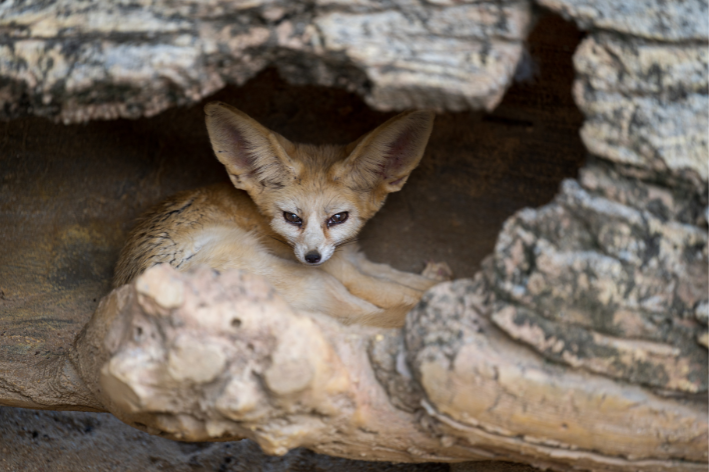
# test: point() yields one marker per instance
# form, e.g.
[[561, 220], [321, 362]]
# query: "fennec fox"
[[293, 217]]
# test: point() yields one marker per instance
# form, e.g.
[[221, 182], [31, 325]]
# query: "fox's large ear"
[[253, 155], [384, 158]]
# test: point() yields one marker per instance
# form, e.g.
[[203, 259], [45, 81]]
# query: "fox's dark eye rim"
[[338, 218], [292, 218]]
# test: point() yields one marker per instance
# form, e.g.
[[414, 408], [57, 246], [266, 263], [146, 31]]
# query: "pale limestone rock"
[[648, 67], [194, 360], [647, 130], [288, 380], [464, 41], [606, 286], [168, 294], [486, 384]]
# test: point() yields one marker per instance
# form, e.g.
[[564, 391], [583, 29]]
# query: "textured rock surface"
[[75, 61], [608, 278], [204, 356], [486, 391], [651, 19], [644, 92], [224, 358], [612, 276]]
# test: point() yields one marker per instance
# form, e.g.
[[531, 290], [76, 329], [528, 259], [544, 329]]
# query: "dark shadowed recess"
[[61, 441]]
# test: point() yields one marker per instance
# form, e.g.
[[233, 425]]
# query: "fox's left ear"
[[384, 158]]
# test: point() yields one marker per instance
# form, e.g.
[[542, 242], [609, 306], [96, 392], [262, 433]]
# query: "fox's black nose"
[[313, 257]]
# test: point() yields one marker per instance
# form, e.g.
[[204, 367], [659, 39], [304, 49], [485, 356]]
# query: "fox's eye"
[[292, 218], [338, 218]]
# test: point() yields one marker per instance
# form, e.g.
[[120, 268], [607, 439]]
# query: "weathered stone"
[[652, 19], [481, 385], [195, 360], [611, 63], [596, 284], [482, 395], [667, 198], [645, 101], [646, 131], [387, 353], [280, 378], [77, 62], [463, 41], [169, 294]]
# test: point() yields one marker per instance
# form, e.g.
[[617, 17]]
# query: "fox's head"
[[317, 197]]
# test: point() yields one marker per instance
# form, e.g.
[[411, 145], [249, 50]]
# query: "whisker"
[[348, 241], [280, 240], [360, 238], [345, 243]]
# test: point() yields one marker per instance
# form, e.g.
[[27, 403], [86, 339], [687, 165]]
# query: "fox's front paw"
[[437, 271]]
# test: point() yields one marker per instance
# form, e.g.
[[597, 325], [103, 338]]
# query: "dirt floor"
[[53, 441], [69, 194]]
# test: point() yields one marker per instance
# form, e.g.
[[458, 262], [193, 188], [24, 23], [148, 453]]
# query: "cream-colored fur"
[[292, 216]]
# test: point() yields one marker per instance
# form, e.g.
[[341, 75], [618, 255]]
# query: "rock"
[[483, 388], [651, 19], [281, 378], [75, 62], [581, 343], [653, 131], [644, 92], [597, 284], [648, 67]]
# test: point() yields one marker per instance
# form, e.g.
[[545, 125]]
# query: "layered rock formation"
[[76, 62], [581, 343]]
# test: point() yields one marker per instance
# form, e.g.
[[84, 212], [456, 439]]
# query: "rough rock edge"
[[638, 225], [75, 63], [597, 284]]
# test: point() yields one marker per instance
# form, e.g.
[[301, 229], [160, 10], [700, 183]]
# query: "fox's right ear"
[[253, 155]]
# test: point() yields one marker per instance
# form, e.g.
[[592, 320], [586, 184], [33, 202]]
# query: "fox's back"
[[176, 230]]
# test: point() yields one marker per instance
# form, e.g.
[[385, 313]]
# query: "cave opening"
[[69, 194]]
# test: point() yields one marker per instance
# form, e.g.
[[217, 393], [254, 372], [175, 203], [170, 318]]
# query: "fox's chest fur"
[[291, 215]]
